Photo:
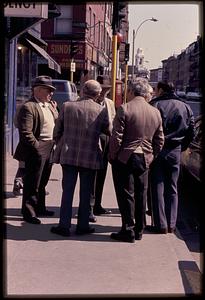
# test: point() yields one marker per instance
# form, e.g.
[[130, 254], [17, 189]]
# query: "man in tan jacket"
[[136, 139]]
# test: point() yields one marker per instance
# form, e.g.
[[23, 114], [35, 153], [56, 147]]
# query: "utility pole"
[[117, 16], [127, 49]]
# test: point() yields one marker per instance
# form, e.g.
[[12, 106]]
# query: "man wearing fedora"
[[103, 100], [36, 120]]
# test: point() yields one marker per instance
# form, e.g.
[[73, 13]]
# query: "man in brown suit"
[[136, 139], [36, 120], [77, 131]]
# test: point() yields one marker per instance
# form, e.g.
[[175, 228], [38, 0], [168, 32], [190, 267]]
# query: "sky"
[[178, 26]]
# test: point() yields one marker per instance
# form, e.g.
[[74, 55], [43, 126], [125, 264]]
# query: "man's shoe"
[[17, 189], [101, 211], [171, 230], [123, 237], [32, 220], [155, 229], [92, 218], [60, 230], [138, 236], [149, 212], [45, 213], [85, 231]]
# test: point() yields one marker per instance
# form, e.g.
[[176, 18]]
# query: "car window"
[[60, 86]]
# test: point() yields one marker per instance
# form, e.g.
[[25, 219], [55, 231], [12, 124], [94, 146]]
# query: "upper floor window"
[[63, 23]]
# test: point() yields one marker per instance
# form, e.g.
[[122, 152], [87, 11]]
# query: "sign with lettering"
[[25, 10], [61, 50], [72, 67]]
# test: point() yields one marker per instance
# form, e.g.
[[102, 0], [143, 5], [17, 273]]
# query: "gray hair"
[[92, 88], [140, 87]]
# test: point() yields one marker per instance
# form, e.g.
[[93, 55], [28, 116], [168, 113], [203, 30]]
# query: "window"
[[63, 23], [90, 21], [94, 28]]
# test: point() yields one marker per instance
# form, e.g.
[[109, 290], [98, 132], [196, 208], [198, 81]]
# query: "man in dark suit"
[[36, 120], [179, 130], [137, 138], [108, 104]]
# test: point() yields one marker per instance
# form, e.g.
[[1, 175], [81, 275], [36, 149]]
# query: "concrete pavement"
[[39, 263]]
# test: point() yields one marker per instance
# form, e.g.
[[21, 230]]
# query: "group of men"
[[142, 140]]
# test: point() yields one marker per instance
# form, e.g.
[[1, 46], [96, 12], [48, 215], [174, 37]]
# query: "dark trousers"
[[131, 183], [37, 173], [100, 175], [70, 175], [164, 174]]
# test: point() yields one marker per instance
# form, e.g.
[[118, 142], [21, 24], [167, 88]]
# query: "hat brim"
[[46, 85]]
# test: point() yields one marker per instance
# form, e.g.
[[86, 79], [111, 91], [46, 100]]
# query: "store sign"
[[25, 10]]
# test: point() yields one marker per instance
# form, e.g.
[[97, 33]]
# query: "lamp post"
[[133, 42]]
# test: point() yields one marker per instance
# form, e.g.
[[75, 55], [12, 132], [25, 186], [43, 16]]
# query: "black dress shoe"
[[85, 231], [92, 218], [45, 213], [60, 230], [32, 220], [155, 229], [148, 212], [171, 230], [123, 237], [138, 236], [101, 211]]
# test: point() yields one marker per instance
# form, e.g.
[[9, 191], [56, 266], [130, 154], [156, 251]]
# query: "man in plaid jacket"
[[77, 131]]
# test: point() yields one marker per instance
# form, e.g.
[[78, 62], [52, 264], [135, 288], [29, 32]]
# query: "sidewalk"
[[40, 263]]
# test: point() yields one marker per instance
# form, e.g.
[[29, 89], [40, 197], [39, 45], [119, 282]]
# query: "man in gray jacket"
[[77, 131], [136, 139]]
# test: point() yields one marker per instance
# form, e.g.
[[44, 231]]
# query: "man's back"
[[139, 123], [82, 122], [177, 118]]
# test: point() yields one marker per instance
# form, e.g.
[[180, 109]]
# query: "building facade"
[[22, 50], [88, 26], [184, 69]]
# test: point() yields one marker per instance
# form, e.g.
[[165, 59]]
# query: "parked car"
[[194, 96], [181, 94], [65, 91], [191, 159]]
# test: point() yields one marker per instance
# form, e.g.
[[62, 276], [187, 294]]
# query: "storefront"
[[23, 47]]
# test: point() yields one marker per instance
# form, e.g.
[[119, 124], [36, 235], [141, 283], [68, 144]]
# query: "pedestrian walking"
[[179, 130], [77, 131], [96, 199], [137, 138], [36, 120]]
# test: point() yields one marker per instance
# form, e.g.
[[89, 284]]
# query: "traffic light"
[[121, 12], [127, 50], [74, 49], [118, 14]]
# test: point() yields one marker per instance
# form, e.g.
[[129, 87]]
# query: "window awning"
[[52, 64]]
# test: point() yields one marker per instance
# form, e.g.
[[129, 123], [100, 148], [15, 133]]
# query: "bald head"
[[92, 89]]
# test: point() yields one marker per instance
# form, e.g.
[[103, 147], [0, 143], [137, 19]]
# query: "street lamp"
[[133, 43]]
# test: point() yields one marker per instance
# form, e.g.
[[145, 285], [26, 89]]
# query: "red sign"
[[60, 51]]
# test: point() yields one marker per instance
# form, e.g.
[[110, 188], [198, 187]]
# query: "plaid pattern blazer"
[[77, 132]]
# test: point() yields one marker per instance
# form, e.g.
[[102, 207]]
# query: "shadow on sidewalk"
[[41, 232]]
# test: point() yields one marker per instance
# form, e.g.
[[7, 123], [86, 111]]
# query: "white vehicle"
[[65, 91], [193, 96], [181, 94]]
